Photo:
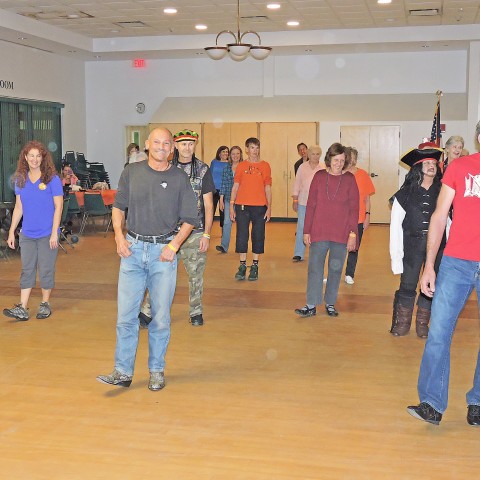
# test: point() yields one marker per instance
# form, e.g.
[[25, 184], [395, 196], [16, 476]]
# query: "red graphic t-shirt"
[[463, 175]]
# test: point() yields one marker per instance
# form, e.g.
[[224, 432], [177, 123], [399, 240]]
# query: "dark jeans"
[[216, 199], [414, 249], [244, 215], [352, 257]]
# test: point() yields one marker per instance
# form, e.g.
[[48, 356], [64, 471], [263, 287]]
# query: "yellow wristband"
[[172, 248], [206, 235]]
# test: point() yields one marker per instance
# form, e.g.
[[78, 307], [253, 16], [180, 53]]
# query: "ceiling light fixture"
[[293, 23], [170, 11], [238, 51]]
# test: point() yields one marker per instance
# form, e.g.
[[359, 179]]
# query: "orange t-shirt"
[[365, 189], [252, 178]]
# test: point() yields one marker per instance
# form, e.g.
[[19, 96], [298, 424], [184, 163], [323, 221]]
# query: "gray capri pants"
[[36, 252]]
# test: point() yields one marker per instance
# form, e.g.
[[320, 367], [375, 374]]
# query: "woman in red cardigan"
[[331, 223]]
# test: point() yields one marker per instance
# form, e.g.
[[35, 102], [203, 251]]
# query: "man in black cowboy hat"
[[412, 208]]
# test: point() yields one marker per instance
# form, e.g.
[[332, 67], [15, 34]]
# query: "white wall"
[[39, 75], [331, 89]]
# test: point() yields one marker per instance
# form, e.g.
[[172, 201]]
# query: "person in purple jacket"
[[331, 225], [39, 200]]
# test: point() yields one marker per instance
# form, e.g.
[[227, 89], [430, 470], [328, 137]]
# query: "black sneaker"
[[473, 415], [306, 312], [242, 270], [425, 412], [253, 275], [196, 320], [220, 249], [297, 258], [144, 320], [331, 311]]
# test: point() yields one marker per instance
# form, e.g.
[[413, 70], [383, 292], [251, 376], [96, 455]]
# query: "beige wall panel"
[[297, 132], [214, 136], [239, 132], [274, 146]]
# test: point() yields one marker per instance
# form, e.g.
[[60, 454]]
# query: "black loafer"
[[331, 311], [220, 249], [297, 258], [425, 412], [473, 415]]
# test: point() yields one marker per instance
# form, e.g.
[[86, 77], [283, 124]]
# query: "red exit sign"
[[139, 63]]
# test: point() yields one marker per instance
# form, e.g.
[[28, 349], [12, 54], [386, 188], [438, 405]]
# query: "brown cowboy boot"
[[421, 323], [402, 319]]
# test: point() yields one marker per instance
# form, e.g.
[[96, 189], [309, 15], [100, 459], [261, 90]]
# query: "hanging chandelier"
[[238, 51]]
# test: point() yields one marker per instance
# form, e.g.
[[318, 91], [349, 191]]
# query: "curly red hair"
[[47, 167]]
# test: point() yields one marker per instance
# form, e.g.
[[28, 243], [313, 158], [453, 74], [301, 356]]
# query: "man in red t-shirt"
[[458, 275]]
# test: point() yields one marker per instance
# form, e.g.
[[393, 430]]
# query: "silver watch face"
[[140, 108]]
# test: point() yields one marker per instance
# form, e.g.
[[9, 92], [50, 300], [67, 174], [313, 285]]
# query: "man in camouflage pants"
[[194, 249]]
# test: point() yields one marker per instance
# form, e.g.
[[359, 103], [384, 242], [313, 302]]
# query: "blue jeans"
[[455, 281], [227, 228], [141, 270], [299, 245]]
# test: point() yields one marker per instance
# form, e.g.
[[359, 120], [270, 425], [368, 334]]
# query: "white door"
[[378, 153]]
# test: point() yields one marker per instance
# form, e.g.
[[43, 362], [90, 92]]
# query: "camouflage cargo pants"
[[194, 262]]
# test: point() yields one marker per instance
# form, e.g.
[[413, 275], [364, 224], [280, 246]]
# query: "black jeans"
[[353, 256], [244, 215], [414, 254]]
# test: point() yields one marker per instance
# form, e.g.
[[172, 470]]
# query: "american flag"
[[436, 135]]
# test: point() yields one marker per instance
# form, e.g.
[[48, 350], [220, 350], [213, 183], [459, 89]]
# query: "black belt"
[[152, 238], [421, 234]]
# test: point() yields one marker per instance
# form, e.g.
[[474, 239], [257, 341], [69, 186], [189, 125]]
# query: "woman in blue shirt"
[[39, 200], [217, 166]]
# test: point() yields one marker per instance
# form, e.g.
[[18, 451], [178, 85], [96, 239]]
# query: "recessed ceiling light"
[[73, 15], [293, 23], [273, 6], [201, 27], [425, 46], [22, 38], [170, 11], [383, 2]]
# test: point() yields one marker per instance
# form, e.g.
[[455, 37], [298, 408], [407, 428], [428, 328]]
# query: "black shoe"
[[220, 249], [253, 275], [144, 320], [426, 412], [196, 320], [473, 415], [331, 311], [242, 270], [296, 258], [306, 312]]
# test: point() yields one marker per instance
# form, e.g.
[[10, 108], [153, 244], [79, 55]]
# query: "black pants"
[[414, 254], [216, 199], [244, 215], [353, 256]]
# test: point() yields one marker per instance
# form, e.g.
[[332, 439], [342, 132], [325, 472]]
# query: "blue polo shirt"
[[38, 206]]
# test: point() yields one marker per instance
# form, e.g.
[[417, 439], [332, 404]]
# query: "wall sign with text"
[[6, 84]]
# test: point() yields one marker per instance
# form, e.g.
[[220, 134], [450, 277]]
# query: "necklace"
[[338, 186]]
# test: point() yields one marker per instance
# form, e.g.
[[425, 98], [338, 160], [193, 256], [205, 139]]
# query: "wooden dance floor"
[[257, 393]]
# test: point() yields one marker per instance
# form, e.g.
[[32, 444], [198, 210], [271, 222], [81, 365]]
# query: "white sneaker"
[[349, 280], [324, 280]]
